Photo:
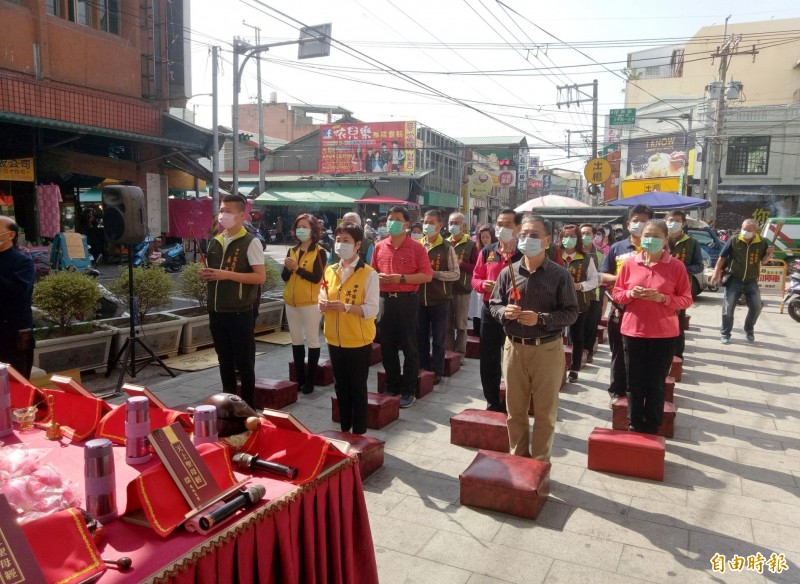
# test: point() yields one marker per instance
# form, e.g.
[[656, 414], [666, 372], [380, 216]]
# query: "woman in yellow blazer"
[[303, 269], [349, 301]]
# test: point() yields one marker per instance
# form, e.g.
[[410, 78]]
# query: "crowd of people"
[[414, 287]]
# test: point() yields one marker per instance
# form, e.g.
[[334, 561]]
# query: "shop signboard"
[[622, 117], [381, 147], [658, 156], [633, 187], [17, 169], [772, 279]]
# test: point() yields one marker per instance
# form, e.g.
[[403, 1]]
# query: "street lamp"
[[686, 131]]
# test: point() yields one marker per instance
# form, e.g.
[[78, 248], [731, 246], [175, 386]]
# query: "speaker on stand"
[[123, 223]]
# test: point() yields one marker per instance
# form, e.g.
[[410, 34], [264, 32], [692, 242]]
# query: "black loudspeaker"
[[123, 214]]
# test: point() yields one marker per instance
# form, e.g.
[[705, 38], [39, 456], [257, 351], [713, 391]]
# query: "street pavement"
[[731, 486]]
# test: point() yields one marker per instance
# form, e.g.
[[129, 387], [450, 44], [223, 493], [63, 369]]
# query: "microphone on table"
[[246, 497], [249, 462]]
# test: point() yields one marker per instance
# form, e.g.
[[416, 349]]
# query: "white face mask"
[[302, 233], [417, 236], [598, 240], [226, 220], [455, 229], [530, 246], [344, 250], [636, 228], [674, 227], [748, 234], [504, 234]]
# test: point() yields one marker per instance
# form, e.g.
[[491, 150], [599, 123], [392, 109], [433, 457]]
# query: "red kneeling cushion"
[[382, 410], [424, 382], [368, 449], [627, 453], [601, 334], [669, 389], [473, 348], [375, 355], [619, 420], [480, 429], [323, 376], [676, 370], [273, 394], [452, 363], [503, 482]]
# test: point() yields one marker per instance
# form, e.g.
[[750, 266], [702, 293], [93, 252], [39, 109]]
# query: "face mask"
[[652, 244], [226, 220], [748, 234], [674, 227], [302, 233], [394, 227], [417, 236], [455, 230], [569, 242], [504, 234], [4, 240], [345, 251], [429, 229], [598, 240], [382, 232], [636, 228], [587, 240], [530, 247]]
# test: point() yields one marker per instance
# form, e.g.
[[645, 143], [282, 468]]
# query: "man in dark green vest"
[[234, 271], [684, 247]]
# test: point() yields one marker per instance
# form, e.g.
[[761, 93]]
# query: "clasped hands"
[[650, 294], [526, 317], [331, 306], [389, 278]]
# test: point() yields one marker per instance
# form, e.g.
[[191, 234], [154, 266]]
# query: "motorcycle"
[[792, 298], [173, 258], [140, 256]]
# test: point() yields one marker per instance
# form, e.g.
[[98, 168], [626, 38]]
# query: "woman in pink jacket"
[[651, 286]]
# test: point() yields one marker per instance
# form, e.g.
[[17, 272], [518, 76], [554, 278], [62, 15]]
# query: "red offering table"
[[318, 532]]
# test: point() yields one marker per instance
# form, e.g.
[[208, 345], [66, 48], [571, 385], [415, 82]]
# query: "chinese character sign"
[[367, 147], [17, 169]]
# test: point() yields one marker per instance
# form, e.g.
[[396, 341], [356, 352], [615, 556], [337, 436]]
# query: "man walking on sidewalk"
[[402, 265], [458, 310]]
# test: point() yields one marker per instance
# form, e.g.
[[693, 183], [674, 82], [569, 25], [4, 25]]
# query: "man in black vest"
[[235, 270], [458, 311], [684, 247], [17, 274]]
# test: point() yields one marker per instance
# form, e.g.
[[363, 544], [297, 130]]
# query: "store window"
[[748, 155]]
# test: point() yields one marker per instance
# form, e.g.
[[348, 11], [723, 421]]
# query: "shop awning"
[[323, 196], [434, 199]]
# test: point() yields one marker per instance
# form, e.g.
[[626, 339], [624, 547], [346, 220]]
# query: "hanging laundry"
[[48, 198]]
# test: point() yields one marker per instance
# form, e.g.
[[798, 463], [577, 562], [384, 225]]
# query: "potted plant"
[[152, 289], [65, 299]]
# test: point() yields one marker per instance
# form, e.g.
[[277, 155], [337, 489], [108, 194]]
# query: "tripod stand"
[[128, 362]]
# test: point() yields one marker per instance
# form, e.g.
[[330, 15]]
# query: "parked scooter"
[[110, 306], [173, 258], [140, 253], [792, 298]]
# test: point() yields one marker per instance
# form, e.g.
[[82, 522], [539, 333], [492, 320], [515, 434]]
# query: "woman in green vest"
[[349, 301], [303, 269]]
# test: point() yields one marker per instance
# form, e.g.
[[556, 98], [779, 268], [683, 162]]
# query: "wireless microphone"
[[249, 496], [250, 462]]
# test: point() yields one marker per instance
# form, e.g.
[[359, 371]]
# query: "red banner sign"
[[367, 147]]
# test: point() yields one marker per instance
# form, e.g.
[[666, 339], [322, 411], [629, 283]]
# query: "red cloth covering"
[[156, 494], [308, 453], [112, 426], [63, 547], [23, 392], [192, 218], [78, 415]]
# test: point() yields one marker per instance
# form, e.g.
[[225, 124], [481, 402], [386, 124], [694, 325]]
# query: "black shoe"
[[437, 379], [308, 387], [572, 376], [589, 358]]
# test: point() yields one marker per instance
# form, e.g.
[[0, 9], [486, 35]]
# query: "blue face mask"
[[429, 229], [652, 244], [529, 246], [394, 227]]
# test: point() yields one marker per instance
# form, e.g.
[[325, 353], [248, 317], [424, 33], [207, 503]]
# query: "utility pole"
[[594, 118], [260, 154], [724, 52], [574, 94], [214, 132]]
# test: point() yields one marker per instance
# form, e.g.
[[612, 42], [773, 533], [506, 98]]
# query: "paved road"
[[732, 483]]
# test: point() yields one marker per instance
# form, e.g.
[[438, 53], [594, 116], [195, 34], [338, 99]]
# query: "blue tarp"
[[662, 200]]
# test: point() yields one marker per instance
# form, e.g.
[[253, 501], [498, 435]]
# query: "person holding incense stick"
[[534, 299]]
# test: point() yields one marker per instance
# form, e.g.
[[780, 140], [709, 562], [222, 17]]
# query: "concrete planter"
[[83, 351], [270, 316], [161, 332], [196, 330]]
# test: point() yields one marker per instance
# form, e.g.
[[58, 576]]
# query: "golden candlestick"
[[53, 431]]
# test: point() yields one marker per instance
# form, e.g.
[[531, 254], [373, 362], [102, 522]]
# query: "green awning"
[[434, 199], [327, 196], [91, 196]]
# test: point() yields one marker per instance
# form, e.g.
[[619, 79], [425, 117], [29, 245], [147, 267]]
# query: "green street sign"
[[622, 117], [610, 148]]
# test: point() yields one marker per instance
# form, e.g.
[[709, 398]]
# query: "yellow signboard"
[[772, 279], [597, 171], [17, 169], [481, 184], [638, 186]]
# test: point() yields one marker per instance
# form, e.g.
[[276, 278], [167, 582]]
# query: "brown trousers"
[[532, 372]]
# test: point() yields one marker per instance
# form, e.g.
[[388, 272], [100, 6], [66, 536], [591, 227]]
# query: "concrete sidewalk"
[[732, 484]]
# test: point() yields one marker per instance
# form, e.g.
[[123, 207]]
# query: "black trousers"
[[235, 345], [399, 326], [493, 337], [432, 331], [617, 374], [350, 372], [591, 322], [648, 362], [680, 342], [577, 336], [21, 360]]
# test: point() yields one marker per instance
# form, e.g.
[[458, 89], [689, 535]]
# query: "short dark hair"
[[382, 219], [517, 216], [399, 209], [352, 229], [234, 198], [590, 226], [678, 213], [642, 210], [532, 217], [416, 225], [316, 230], [434, 213]]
